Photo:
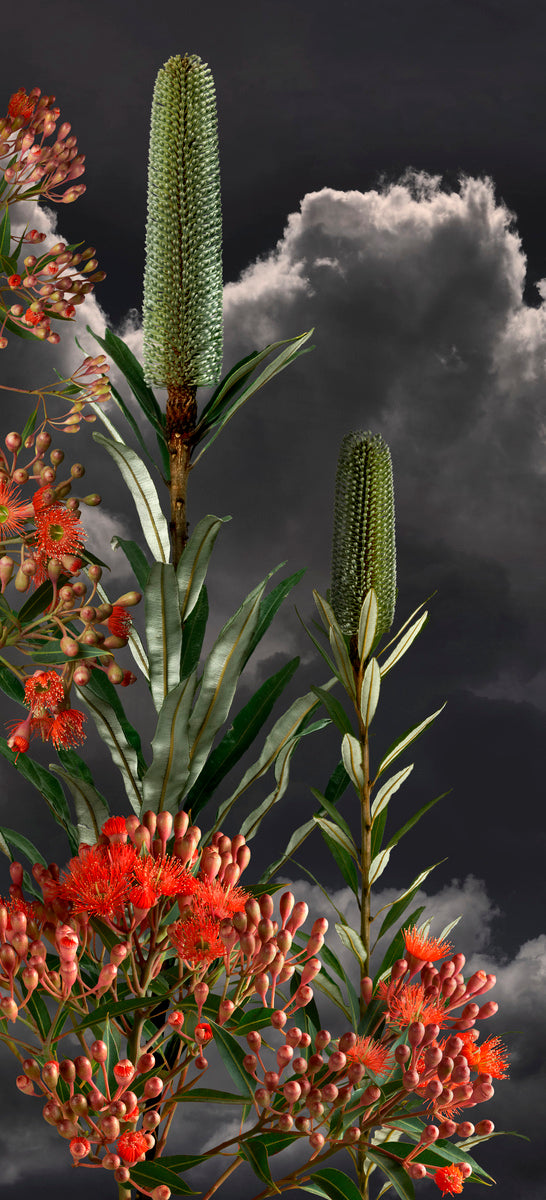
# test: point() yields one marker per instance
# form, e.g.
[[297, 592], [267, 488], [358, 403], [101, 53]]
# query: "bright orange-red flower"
[[165, 875], [488, 1058], [43, 690], [426, 949], [450, 1180], [203, 1032], [65, 729], [131, 1145], [115, 828], [373, 1055], [409, 1004], [218, 901], [58, 532], [196, 939], [21, 105], [119, 622], [12, 511], [99, 880]]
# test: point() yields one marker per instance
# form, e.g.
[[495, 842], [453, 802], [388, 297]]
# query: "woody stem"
[[181, 418]]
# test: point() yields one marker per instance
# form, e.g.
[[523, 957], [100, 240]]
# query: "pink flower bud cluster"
[[60, 279]]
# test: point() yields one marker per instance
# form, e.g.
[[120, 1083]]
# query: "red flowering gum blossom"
[[132, 1145], [203, 1032], [450, 1179]]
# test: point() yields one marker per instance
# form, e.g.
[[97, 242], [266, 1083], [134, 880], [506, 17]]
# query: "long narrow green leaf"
[[384, 794], [337, 785], [398, 906], [194, 561], [282, 732], [394, 1171], [238, 738], [112, 733], [269, 605], [256, 1155], [293, 348], [336, 1185], [352, 940], [136, 558], [133, 372], [334, 709], [369, 695], [11, 685], [337, 644], [99, 685], [405, 740], [232, 1056], [22, 844], [193, 635], [164, 781], [415, 817], [49, 788], [220, 675], [367, 624], [151, 1174], [91, 808], [338, 846], [163, 631], [322, 652], [143, 491], [404, 644]]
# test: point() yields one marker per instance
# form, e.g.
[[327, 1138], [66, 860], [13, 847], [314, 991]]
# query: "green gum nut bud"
[[363, 551]]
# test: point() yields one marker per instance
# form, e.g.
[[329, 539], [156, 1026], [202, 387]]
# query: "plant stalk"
[[181, 419]]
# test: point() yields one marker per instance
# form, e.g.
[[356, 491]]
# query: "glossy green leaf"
[[17, 841], [232, 1056], [330, 664], [222, 408], [338, 844], [11, 685], [334, 709], [407, 738], [351, 753], [49, 788], [269, 606], [404, 644], [285, 729], [163, 631], [194, 561], [193, 635], [282, 774], [38, 1010], [5, 233], [238, 738], [210, 1096], [352, 940], [143, 491], [151, 1174], [99, 685], [335, 1184], [333, 813], [378, 864], [219, 681], [385, 792], [337, 785], [337, 644], [415, 817], [36, 603], [112, 733], [369, 694], [164, 781], [367, 624], [398, 1177], [398, 906], [255, 1153], [135, 557], [91, 808], [133, 372], [51, 655]]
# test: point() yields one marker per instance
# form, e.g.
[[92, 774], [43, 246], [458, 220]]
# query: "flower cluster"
[[52, 285]]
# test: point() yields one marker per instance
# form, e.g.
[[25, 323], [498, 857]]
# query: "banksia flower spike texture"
[[363, 552], [182, 309]]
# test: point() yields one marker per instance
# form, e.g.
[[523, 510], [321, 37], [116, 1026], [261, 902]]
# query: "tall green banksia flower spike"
[[182, 312], [364, 552]]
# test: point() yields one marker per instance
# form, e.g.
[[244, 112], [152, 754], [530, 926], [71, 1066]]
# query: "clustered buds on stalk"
[[420, 1058], [55, 283], [51, 539]]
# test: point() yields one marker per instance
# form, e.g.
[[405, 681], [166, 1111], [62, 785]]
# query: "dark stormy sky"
[[382, 181]]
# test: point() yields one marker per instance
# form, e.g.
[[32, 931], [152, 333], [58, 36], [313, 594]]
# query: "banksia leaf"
[[182, 312], [363, 554]]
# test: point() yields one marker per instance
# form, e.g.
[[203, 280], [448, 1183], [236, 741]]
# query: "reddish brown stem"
[[181, 418]]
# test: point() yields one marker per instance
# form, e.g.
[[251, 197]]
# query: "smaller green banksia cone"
[[363, 552], [182, 310]]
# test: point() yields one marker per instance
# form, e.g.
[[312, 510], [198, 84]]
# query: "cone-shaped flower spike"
[[182, 312], [363, 553]]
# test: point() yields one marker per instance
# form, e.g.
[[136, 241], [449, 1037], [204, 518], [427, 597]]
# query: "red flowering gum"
[[131, 1145], [65, 729], [197, 939], [166, 875], [22, 105], [115, 828], [489, 1058], [450, 1180], [409, 1005], [203, 1032], [217, 900], [119, 622], [58, 532], [99, 881], [424, 949], [44, 689], [374, 1056], [12, 511]]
